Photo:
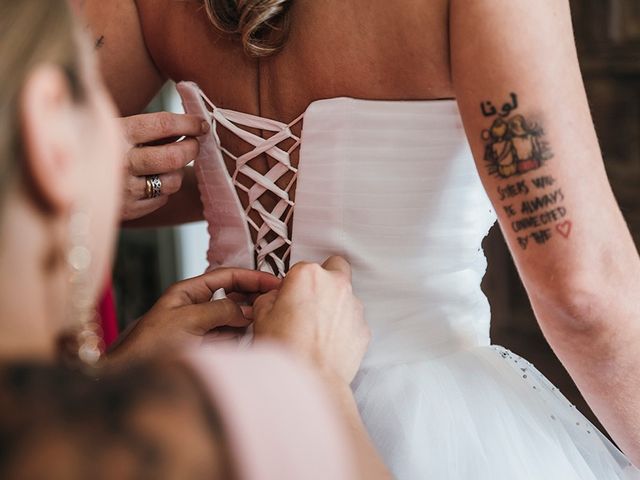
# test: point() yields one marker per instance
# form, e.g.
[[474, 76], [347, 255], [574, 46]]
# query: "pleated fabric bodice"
[[392, 187]]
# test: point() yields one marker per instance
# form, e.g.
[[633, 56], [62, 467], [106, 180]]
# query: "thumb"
[[203, 317], [264, 303], [339, 265]]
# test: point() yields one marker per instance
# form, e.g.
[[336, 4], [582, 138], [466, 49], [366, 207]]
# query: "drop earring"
[[82, 312]]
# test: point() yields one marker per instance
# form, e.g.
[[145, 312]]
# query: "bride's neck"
[[32, 291]]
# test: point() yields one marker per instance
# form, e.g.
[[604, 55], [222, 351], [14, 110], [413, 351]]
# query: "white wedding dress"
[[392, 186]]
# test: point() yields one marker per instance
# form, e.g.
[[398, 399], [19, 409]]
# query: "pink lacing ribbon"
[[278, 218]]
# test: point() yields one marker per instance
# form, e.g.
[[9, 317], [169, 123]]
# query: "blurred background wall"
[[608, 37]]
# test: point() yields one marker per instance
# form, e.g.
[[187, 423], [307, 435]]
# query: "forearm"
[[369, 463], [601, 355]]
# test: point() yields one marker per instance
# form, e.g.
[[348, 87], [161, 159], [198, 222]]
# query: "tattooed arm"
[[525, 112]]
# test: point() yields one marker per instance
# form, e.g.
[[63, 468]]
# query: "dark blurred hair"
[[60, 422]]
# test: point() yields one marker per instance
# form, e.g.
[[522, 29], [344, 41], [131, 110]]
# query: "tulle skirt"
[[482, 413]]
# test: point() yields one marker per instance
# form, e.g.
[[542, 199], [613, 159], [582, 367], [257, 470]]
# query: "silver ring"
[[154, 186]]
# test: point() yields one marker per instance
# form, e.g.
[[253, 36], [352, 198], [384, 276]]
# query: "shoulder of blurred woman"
[[272, 407]]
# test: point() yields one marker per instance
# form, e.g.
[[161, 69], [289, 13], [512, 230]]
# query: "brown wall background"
[[608, 38]]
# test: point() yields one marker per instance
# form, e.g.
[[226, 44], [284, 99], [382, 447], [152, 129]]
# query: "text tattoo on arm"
[[514, 149]]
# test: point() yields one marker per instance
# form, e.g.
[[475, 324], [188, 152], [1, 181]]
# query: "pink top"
[[280, 423]]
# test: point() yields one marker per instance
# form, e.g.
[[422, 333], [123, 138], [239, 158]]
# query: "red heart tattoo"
[[564, 228]]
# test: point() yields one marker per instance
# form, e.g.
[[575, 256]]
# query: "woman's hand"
[[185, 314], [153, 151], [316, 314]]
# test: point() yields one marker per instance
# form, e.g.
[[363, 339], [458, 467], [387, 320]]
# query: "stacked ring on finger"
[[154, 186]]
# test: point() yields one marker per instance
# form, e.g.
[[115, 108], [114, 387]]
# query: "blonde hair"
[[263, 25], [32, 33]]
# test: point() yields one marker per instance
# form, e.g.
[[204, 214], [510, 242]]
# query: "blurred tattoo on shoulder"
[[514, 146]]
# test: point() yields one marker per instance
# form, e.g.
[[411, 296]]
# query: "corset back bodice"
[[391, 186]]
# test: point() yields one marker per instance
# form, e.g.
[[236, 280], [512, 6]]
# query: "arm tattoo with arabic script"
[[515, 149]]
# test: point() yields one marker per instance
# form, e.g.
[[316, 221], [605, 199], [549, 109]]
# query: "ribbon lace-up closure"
[[276, 220]]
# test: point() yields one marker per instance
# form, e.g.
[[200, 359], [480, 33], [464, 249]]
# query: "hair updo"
[[263, 25]]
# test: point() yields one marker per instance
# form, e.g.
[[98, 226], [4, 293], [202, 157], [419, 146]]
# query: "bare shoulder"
[[335, 48], [128, 71], [179, 35], [106, 20]]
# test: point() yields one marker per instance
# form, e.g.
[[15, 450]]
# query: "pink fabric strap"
[[277, 417]]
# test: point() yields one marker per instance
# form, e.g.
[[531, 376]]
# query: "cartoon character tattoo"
[[513, 146]]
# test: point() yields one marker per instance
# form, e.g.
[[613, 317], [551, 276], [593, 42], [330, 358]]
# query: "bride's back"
[[358, 48]]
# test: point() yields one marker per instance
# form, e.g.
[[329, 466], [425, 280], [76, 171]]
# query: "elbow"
[[578, 307]]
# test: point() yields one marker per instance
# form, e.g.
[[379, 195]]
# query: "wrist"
[[336, 383]]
